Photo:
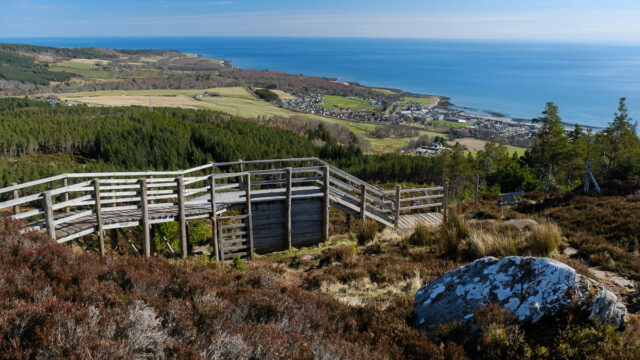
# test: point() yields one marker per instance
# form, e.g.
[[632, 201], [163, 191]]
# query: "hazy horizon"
[[543, 20]]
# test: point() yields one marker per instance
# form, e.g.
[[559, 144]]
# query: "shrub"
[[421, 236], [342, 253], [544, 239], [238, 264], [365, 231]]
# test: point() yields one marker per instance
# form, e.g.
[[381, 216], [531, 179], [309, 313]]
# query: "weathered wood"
[[16, 195], [98, 211], [363, 202], [241, 165], [144, 206], [48, 211], [247, 184], [65, 184], [397, 208], [221, 240], [287, 222], [214, 220], [445, 201], [325, 203], [182, 221]]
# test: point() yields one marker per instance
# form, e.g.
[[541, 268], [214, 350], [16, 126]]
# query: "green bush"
[[238, 264]]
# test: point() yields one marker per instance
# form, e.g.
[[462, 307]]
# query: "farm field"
[[474, 145], [425, 101], [81, 68], [337, 102]]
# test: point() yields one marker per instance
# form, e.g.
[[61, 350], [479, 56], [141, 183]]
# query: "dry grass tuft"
[[544, 239], [365, 231], [491, 243], [453, 233]]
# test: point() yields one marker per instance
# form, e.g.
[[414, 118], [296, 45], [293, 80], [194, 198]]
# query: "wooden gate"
[[235, 237]]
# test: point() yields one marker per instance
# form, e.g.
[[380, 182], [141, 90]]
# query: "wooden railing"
[[203, 192]]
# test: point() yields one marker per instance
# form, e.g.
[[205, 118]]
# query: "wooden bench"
[[510, 199]]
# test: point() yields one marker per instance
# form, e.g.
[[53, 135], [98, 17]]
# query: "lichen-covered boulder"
[[531, 288]]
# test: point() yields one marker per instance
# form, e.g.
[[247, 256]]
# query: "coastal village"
[[403, 113]]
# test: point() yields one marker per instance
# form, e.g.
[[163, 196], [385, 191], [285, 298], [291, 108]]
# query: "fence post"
[[98, 210], [65, 183], [214, 215], [325, 203], [287, 207], [445, 201], [241, 166], [144, 206], [182, 219], [16, 195], [363, 202], [249, 218], [398, 203], [546, 189], [477, 187], [48, 211]]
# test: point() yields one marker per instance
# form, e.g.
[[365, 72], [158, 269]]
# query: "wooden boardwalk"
[[287, 206]]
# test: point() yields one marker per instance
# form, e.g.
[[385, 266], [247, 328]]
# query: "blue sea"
[[512, 78]]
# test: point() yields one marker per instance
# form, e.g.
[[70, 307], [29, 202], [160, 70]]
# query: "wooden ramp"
[[409, 222]]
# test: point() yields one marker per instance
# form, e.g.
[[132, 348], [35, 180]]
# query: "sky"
[[608, 21]]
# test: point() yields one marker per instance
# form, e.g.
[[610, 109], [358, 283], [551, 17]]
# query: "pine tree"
[[551, 145], [619, 144]]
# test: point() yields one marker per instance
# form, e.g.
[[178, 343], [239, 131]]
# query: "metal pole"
[[287, 223], [249, 218]]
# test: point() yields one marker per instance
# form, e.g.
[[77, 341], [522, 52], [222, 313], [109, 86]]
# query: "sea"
[[514, 79]]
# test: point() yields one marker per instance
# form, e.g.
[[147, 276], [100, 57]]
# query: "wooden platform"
[[408, 222]]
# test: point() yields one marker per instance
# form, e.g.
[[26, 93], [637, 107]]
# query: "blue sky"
[[556, 20]]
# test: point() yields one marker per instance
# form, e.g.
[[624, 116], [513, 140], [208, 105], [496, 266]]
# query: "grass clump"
[[365, 231], [491, 243], [421, 236], [453, 233], [544, 239], [341, 254]]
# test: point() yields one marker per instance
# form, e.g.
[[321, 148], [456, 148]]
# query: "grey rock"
[[531, 288]]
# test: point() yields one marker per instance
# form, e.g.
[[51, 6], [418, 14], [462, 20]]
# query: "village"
[[515, 132]]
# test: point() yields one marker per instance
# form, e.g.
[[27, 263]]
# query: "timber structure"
[[254, 206]]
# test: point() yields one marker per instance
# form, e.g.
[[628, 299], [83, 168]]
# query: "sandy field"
[[160, 101], [91, 61], [469, 143]]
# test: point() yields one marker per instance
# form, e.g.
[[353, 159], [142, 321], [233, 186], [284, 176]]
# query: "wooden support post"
[[214, 215], [144, 206], [16, 195], [287, 207], [98, 210], [475, 204], [247, 184], [182, 219], [363, 202], [241, 166], [325, 203], [546, 189], [65, 183], [48, 211], [445, 201], [221, 239], [398, 203]]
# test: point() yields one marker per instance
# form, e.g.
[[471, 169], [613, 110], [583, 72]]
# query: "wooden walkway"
[[76, 205]]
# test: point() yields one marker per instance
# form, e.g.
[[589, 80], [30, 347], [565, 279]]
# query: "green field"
[[82, 69], [425, 101], [341, 102], [449, 124]]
